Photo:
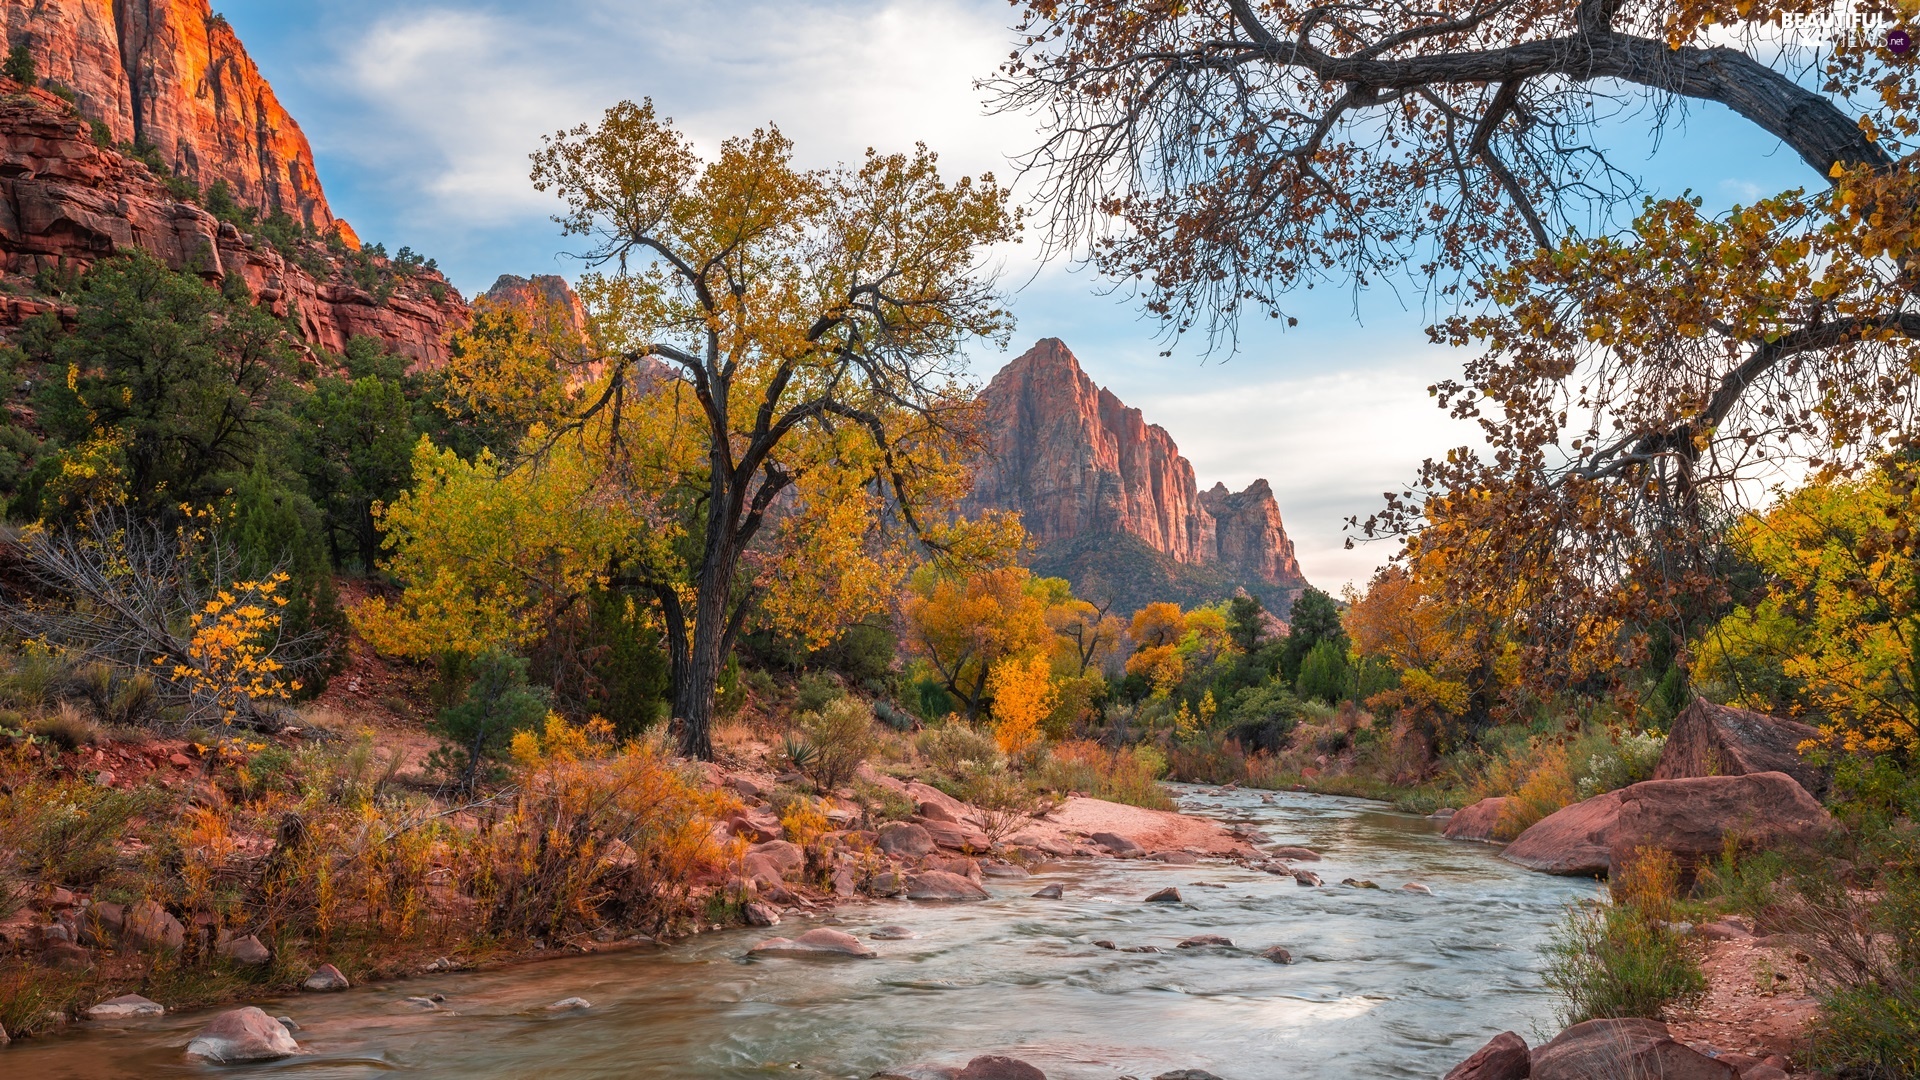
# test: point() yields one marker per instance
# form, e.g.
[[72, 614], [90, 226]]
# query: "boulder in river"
[[1175, 858], [1416, 887], [1168, 895], [941, 885], [1294, 854], [1119, 845], [572, 1004], [1187, 1074], [891, 933], [1696, 818], [1720, 740], [325, 978], [996, 1067], [759, 914], [1357, 883], [1573, 840], [1478, 822], [125, 1007], [1050, 892], [1505, 1057], [242, 1035], [1279, 954], [1201, 941], [1306, 878], [1624, 1048], [904, 839], [820, 941]]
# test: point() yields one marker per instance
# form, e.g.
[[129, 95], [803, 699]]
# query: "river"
[[1385, 983]]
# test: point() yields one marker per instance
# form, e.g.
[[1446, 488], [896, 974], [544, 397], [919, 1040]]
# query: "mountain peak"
[[1110, 502]]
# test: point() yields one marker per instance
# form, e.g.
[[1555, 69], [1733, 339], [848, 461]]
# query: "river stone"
[[1201, 941], [941, 885], [243, 1035], [1278, 954], [817, 942], [1168, 895], [1442, 814], [1573, 840], [1721, 740], [125, 1007], [759, 914], [102, 924], [1504, 1058], [1416, 887], [1478, 822], [1004, 870], [958, 837], [1624, 1048], [1174, 858], [1119, 845], [921, 1071], [1104, 944], [4, 1039], [1697, 817], [148, 926], [934, 811], [245, 949], [1306, 878], [572, 1004], [324, 979], [1357, 883], [904, 839], [1141, 948], [891, 933], [995, 1067], [1050, 892], [786, 856], [1294, 854]]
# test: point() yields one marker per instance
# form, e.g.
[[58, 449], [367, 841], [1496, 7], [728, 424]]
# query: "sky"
[[422, 114]]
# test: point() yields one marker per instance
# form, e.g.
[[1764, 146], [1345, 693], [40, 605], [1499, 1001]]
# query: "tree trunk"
[[694, 684]]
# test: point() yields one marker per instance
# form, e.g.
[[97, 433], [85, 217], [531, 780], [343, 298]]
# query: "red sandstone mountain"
[[170, 74], [66, 202], [1109, 502]]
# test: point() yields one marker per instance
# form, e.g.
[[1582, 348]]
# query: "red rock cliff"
[[66, 201], [171, 75], [1078, 464]]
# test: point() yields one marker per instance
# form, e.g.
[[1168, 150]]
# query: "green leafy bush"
[[842, 736], [479, 730], [816, 690], [955, 750]]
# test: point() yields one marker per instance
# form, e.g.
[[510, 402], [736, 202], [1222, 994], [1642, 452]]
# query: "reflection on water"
[[1385, 983]]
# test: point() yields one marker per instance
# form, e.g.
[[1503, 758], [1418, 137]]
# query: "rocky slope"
[[66, 201], [170, 74], [1110, 503]]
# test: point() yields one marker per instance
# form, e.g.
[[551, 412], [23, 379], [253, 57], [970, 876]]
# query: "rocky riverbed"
[[1383, 982]]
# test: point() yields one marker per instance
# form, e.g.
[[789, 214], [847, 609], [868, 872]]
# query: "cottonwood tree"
[[789, 340], [1223, 153]]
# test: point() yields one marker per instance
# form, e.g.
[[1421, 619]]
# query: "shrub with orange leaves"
[[229, 660], [597, 834]]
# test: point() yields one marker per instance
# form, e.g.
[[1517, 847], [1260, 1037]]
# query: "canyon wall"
[[171, 75], [66, 202]]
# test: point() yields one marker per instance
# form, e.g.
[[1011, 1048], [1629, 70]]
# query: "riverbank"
[[1383, 982]]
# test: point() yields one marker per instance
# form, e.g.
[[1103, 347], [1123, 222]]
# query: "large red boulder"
[[1695, 818], [1505, 1057], [1477, 822], [1720, 740], [1624, 1048], [1574, 840]]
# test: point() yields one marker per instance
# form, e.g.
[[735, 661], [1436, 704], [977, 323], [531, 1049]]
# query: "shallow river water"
[[1384, 984]]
